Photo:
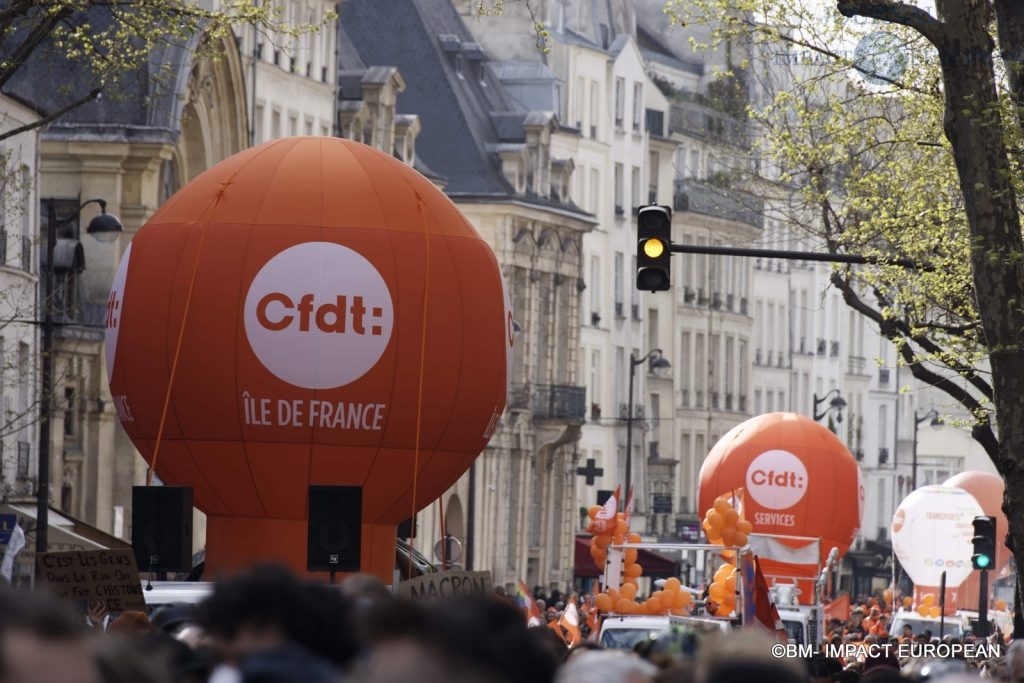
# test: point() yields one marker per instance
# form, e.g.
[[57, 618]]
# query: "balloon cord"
[[181, 338], [423, 360], [444, 536]]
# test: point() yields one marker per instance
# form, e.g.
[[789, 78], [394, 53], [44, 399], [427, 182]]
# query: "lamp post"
[[104, 227], [936, 421], [837, 404], [657, 361]]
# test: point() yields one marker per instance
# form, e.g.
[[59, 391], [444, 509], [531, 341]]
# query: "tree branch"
[[91, 95], [981, 431], [935, 31]]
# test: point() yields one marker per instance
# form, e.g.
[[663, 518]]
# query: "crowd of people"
[[267, 626]]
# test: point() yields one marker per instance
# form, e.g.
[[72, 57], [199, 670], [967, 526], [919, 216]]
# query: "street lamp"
[[104, 227], [936, 421], [656, 361], [837, 404]]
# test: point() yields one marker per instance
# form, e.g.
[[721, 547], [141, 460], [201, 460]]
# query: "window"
[[458, 66], [258, 132], [619, 191], [619, 266], [634, 188], [595, 285], [595, 98], [275, 124], [638, 105], [595, 189], [293, 125], [308, 126], [620, 101], [595, 382], [69, 411], [577, 102], [652, 179]]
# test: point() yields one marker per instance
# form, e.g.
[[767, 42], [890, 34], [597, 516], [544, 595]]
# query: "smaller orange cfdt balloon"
[[672, 584], [603, 602]]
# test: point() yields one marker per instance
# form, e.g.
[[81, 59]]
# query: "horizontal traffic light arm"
[[798, 255]]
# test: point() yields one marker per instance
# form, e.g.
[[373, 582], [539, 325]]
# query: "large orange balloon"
[[987, 489], [329, 317], [798, 477]]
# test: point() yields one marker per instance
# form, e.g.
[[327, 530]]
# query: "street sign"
[[7, 523]]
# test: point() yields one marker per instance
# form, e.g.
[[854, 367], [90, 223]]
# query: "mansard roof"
[[143, 106], [466, 116]]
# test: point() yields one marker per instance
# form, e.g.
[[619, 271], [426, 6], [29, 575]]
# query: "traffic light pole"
[[981, 629], [790, 255]]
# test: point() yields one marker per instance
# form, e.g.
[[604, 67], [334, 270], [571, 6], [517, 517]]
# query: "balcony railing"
[[733, 205], [560, 402], [638, 411]]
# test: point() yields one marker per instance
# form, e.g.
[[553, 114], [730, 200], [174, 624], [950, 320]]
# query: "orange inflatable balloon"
[[633, 570], [624, 606], [330, 318], [653, 605], [716, 591], [603, 602], [593, 510], [798, 478], [682, 599], [987, 489], [672, 584], [627, 591], [631, 555]]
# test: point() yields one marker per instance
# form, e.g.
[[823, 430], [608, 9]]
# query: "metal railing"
[[696, 197], [560, 402]]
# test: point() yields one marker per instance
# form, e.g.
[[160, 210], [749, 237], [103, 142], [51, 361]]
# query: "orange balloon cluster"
[[928, 608], [723, 525], [610, 531], [722, 591], [672, 599]]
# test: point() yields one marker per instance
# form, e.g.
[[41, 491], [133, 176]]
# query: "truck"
[[804, 624]]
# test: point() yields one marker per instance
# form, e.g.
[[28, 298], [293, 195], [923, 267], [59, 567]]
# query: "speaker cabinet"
[[162, 528], [335, 528]]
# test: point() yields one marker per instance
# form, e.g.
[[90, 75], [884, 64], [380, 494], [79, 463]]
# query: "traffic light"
[[984, 541], [653, 256]]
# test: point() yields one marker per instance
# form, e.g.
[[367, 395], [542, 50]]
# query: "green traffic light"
[[983, 561]]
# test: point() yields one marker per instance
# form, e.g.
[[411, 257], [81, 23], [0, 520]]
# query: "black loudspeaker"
[[334, 532], [162, 528]]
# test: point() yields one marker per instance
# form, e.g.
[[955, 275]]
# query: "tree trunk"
[[974, 128]]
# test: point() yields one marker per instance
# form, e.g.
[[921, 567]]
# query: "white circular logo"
[[777, 480], [318, 315]]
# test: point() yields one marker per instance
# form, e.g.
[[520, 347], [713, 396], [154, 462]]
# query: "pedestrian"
[[41, 641]]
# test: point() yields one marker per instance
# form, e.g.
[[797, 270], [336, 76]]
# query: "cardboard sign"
[[445, 585], [109, 576]]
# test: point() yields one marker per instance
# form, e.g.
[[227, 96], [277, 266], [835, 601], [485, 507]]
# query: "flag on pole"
[[569, 623], [604, 521], [766, 615], [14, 546], [526, 603]]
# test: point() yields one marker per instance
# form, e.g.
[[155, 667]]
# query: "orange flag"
[[605, 519], [839, 608], [766, 615], [570, 623], [529, 606]]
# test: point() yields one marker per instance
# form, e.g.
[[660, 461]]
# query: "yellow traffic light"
[[654, 248]]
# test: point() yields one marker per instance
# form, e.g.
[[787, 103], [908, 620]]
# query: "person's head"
[[267, 608], [741, 657], [821, 669], [172, 617], [130, 622], [607, 666], [908, 630], [1014, 659], [42, 642]]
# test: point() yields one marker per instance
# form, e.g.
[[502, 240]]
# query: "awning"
[[66, 532], [655, 564]]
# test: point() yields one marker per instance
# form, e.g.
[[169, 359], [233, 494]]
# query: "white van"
[[951, 626], [158, 593], [623, 631]]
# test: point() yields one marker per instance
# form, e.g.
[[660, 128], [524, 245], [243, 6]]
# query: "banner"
[[107, 576], [445, 585]]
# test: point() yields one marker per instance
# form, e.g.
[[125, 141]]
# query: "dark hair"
[[39, 614], [490, 637], [314, 616], [745, 670], [820, 666]]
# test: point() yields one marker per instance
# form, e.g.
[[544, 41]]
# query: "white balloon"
[[932, 532]]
